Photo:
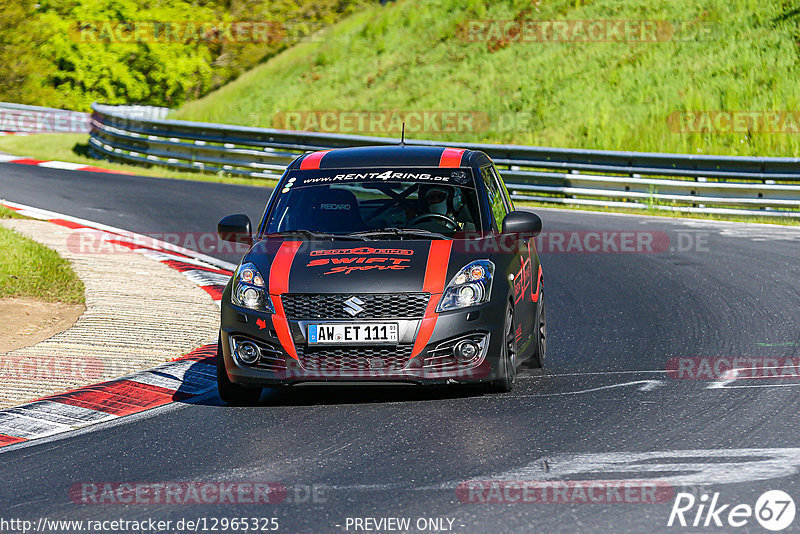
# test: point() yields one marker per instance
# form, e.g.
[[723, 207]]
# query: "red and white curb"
[[14, 133], [55, 164], [189, 376]]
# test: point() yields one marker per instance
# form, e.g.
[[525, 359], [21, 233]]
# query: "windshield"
[[368, 200]]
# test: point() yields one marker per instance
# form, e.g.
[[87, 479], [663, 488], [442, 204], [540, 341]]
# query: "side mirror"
[[522, 222], [235, 228]]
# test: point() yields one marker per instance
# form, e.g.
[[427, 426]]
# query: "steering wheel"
[[451, 223]]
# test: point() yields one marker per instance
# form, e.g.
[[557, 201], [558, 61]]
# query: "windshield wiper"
[[400, 232], [310, 235]]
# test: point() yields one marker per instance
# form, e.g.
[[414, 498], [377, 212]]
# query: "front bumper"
[[435, 364]]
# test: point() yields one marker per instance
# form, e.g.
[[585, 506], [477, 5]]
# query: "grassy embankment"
[[724, 55], [732, 55]]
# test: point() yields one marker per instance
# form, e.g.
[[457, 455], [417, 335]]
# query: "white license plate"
[[345, 333]]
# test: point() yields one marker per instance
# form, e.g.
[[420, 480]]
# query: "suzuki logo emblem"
[[353, 306]]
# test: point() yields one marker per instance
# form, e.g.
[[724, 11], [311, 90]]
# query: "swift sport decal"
[[349, 265], [347, 261], [435, 279], [364, 251]]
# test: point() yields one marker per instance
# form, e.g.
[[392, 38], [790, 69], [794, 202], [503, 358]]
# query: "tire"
[[540, 351], [231, 393], [508, 359]]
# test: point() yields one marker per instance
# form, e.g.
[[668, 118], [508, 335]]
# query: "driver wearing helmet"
[[444, 202], [437, 200]]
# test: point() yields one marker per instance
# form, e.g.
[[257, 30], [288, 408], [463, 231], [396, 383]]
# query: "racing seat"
[[335, 211]]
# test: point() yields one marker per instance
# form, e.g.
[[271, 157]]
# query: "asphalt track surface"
[[615, 320]]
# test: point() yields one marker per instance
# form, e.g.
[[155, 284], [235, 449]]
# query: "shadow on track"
[[198, 380], [362, 394]]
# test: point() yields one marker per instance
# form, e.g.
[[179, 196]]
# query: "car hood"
[[360, 266]]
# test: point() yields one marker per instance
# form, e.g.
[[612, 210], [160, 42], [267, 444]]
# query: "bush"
[[56, 53]]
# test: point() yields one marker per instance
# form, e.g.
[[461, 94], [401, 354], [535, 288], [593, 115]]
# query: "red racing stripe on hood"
[[313, 160], [278, 285], [435, 279], [451, 157]]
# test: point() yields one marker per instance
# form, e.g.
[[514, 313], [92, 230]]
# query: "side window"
[[503, 190], [495, 195]]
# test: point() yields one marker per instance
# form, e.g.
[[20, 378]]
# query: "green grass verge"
[[733, 55], [68, 147], [29, 269], [6, 213]]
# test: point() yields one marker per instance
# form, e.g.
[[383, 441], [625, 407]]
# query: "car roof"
[[388, 156]]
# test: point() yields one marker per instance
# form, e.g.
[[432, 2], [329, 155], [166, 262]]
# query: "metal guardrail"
[[674, 182], [136, 111]]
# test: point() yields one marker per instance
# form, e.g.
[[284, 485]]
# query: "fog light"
[[465, 351], [247, 352]]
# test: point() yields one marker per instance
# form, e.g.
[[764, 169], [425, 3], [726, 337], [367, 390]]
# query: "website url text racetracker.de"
[[150, 525]]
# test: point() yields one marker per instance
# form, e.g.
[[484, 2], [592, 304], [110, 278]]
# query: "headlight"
[[471, 286], [249, 290]]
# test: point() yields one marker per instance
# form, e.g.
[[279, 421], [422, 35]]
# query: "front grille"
[[376, 305], [390, 358]]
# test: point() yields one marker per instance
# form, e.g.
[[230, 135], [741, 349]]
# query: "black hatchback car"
[[383, 264]]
